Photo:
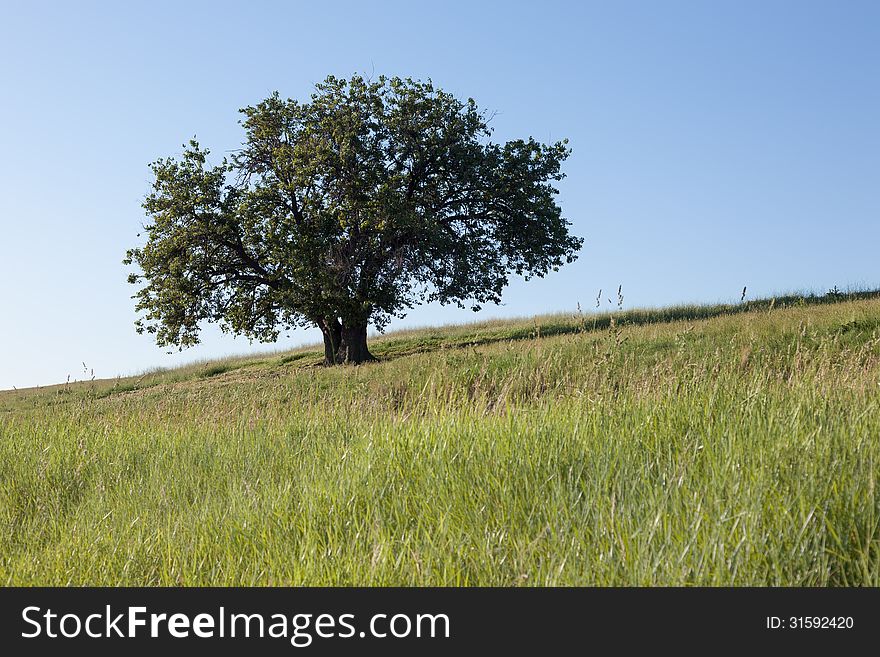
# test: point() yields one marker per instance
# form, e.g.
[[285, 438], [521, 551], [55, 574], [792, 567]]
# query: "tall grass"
[[740, 449]]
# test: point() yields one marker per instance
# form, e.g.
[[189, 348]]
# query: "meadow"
[[698, 445]]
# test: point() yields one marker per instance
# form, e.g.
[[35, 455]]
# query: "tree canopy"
[[343, 211]]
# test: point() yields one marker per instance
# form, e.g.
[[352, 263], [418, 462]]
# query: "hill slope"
[[707, 445]]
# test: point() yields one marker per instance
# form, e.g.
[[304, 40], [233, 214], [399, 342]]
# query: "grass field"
[[709, 445]]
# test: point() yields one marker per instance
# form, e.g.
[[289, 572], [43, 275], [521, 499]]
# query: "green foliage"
[[724, 446], [346, 210]]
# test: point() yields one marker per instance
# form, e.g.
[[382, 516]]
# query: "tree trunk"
[[353, 348], [332, 330]]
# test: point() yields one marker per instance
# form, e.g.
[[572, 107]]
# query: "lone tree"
[[344, 211]]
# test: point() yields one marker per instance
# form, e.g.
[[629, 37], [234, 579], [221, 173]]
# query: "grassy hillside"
[[696, 445]]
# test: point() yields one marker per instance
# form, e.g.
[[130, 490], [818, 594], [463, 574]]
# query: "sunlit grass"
[[699, 445]]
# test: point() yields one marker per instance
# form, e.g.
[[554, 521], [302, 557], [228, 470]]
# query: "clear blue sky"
[[716, 144]]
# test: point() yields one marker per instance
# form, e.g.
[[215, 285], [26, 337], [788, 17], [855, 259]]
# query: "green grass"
[[696, 445]]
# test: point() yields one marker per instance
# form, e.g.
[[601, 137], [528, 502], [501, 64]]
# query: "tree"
[[344, 211]]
